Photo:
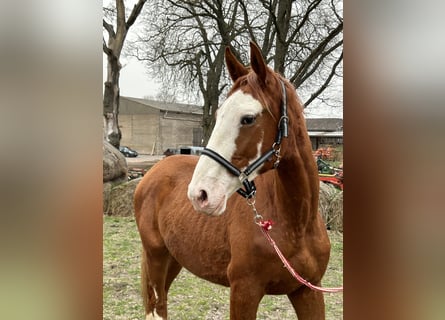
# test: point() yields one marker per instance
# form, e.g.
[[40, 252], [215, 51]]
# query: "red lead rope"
[[266, 225]]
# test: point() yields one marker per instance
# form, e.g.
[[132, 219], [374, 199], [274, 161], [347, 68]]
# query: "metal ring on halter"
[[276, 147]]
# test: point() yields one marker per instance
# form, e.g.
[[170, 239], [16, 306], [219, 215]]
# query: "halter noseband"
[[249, 186]]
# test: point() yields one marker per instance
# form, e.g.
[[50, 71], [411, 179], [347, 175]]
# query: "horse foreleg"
[[148, 294], [158, 272], [245, 297], [308, 304]]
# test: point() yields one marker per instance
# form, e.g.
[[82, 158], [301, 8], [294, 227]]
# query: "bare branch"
[[105, 49], [109, 28], [135, 13], [304, 19], [326, 83], [302, 70], [314, 66], [334, 9]]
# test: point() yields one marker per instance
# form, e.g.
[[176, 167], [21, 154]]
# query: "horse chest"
[[200, 248]]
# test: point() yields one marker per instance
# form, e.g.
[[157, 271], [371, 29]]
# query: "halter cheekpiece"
[[249, 186]]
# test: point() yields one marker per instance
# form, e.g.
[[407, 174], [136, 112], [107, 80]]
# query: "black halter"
[[249, 186]]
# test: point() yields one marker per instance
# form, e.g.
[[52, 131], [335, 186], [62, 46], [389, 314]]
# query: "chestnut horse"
[[224, 245]]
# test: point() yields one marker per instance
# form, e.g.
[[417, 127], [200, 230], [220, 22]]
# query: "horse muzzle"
[[211, 201]]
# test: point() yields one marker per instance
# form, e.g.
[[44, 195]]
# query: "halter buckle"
[[277, 149]]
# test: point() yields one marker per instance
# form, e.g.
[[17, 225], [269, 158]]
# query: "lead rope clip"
[[257, 218]]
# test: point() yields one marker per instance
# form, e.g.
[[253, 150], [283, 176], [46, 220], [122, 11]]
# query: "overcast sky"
[[134, 82]]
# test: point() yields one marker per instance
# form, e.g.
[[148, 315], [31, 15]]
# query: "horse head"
[[245, 129]]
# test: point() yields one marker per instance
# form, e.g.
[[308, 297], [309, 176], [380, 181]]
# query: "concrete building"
[[150, 127]]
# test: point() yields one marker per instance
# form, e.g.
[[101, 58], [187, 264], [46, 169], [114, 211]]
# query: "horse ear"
[[257, 62], [236, 68]]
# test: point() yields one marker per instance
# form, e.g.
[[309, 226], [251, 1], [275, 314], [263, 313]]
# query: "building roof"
[[324, 124], [330, 134], [167, 106]]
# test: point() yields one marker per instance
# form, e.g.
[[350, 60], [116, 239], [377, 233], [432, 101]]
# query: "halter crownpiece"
[[283, 123], [249, 186]]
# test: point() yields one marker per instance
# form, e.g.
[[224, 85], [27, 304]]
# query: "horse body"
[[224, 245], [170, 221]]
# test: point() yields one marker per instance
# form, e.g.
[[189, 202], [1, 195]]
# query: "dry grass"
[[331, 206]]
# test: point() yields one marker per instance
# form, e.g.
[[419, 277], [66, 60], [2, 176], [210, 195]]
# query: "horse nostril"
[[202, 196]]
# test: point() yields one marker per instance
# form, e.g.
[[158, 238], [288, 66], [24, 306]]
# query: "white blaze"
[[210, 175]]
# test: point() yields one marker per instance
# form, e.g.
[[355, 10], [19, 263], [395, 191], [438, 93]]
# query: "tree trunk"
[[112, 132], [209, 120], [211, 101], [282, 28]]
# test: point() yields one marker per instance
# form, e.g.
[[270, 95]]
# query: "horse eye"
[[246, 120]]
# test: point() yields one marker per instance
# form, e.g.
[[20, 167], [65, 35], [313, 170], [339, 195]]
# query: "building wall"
[[139, 131], [151, 131], [176, 129]]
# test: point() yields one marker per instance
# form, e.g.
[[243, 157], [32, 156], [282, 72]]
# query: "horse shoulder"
[[170, 173]]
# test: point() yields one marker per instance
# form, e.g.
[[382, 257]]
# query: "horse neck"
[[297, 185]]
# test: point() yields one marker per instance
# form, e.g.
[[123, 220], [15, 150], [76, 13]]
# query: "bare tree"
[[113, 48], [303, 40], [184, 43]]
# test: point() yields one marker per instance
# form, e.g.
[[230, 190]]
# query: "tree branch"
[[303, 69], [135, 13], [303, 20], [109, 28], [120, 19], [335, 11], [105, 49], [314, 66], [326, 83]]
